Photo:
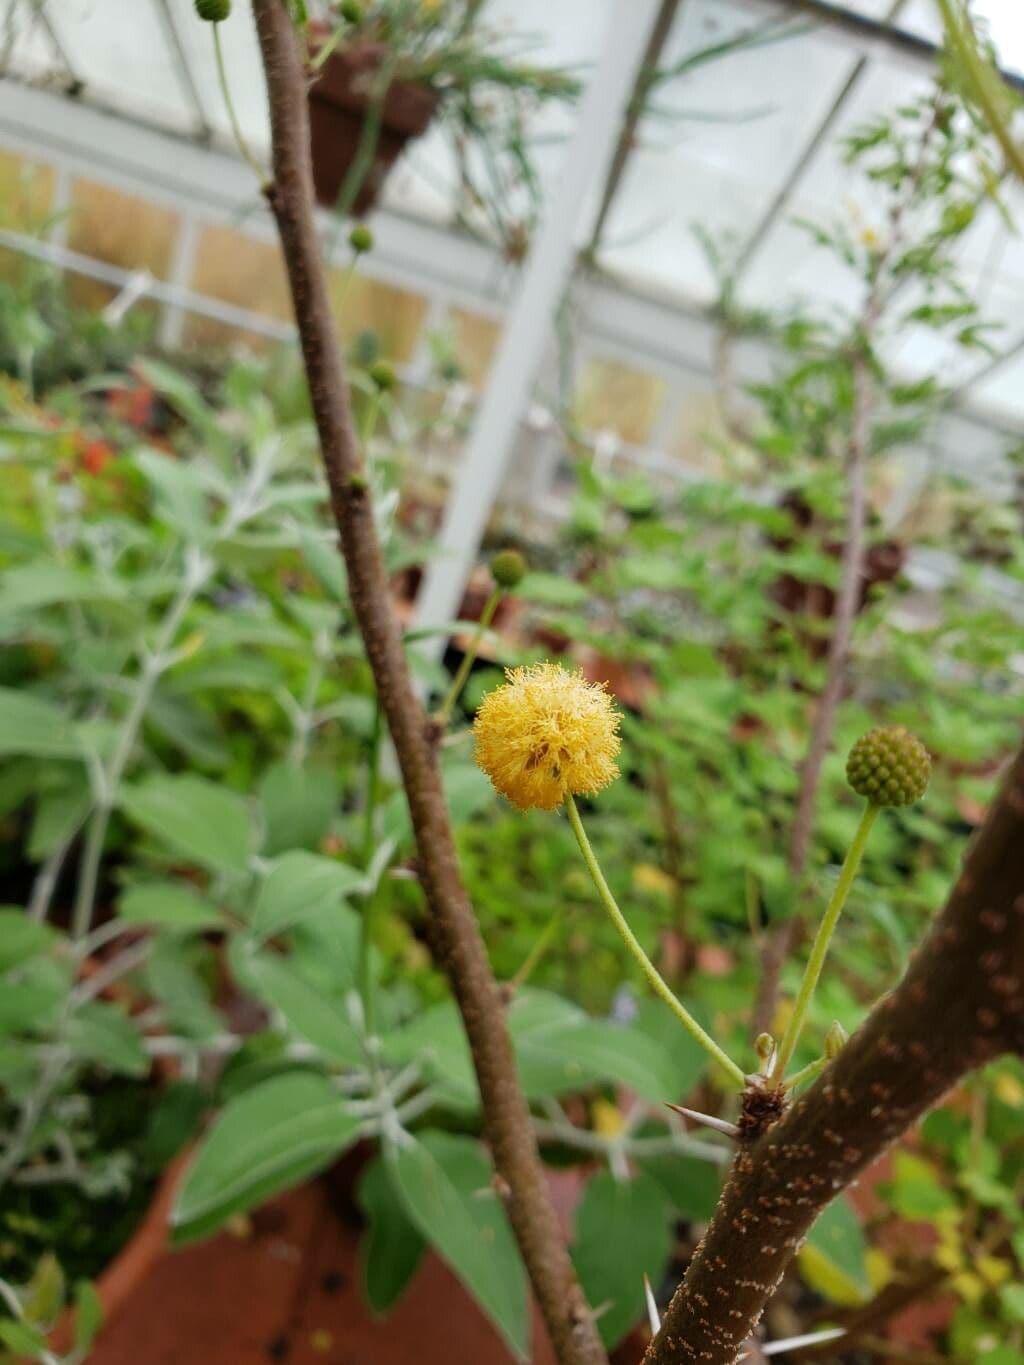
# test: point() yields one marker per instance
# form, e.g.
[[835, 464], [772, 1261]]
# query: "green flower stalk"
[[657, 982], [215, 12], [544, 738], [890, 767]]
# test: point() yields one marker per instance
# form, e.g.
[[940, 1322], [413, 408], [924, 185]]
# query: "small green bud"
[[889, 767], [360, 239], [213, 11], [351, 11], [764, 1046], [508, 568], [835, 1040], [383, 375]]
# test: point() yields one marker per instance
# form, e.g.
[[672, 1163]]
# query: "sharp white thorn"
[[653, 1316], [774, 1348], [708, 1120]]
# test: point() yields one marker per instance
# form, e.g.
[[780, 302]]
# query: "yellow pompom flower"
[[545, 734]]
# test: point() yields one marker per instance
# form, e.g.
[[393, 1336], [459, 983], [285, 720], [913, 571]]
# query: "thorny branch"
[[507, 1120], [959, 1006]]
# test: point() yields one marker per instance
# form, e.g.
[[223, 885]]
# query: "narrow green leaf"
[[88, 1314], [444, 1183], [308, 1013], [392, 1248]]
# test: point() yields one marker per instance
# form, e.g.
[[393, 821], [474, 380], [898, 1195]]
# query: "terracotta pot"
[[136, 1260], [339, 101], [285, 1284]]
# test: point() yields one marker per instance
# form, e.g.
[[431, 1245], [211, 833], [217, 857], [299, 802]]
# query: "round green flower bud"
[[383, 375], [508, 568], [213, 11], [835, 1040], [360, 239], [351, 11], [889, 767]]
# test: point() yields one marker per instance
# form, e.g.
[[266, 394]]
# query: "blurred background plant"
[[215, 934]]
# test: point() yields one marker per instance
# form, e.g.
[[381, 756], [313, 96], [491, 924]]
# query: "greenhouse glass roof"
[[750, 144]]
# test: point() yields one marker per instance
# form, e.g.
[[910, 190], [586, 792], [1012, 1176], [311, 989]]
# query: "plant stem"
[[986, 84], [197, 571], [469, 657], [346, 286], [658, 983], [365, 973], [807, 1073], [229, 105], [568, 1318], [819, 949], [543, 943]]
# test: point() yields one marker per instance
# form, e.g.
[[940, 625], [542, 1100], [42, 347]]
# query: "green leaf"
[[169, 905], [552, 590], [58, 814], [392, 1248], [88, 1314], [21, 938], [623, 1231], [598, 1050], [832, 1258], [103, 1033], [43, 1296], [30, 725], [180, 495], [190, 729], [196, 819], [265, 1141], [21, 1338], [301, 884], [444, 1183], [174, 1119], [30, 587], [325, 564], [298, 807], [692, 1184], [436, 1037], [173, 981], [310, 1014], [1011, 1300]]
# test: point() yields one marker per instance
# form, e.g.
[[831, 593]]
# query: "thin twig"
[[506, 1114]]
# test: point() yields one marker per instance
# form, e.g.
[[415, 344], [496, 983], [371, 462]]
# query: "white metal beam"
[[529, 319]]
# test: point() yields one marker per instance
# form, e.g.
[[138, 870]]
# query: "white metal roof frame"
[[661, 332]]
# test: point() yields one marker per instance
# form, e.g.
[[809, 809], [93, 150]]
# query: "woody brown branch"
[[960, 1005], [506, 1116]]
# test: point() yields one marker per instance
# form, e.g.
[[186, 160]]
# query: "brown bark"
[[960, 1005], [506, 1116]]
